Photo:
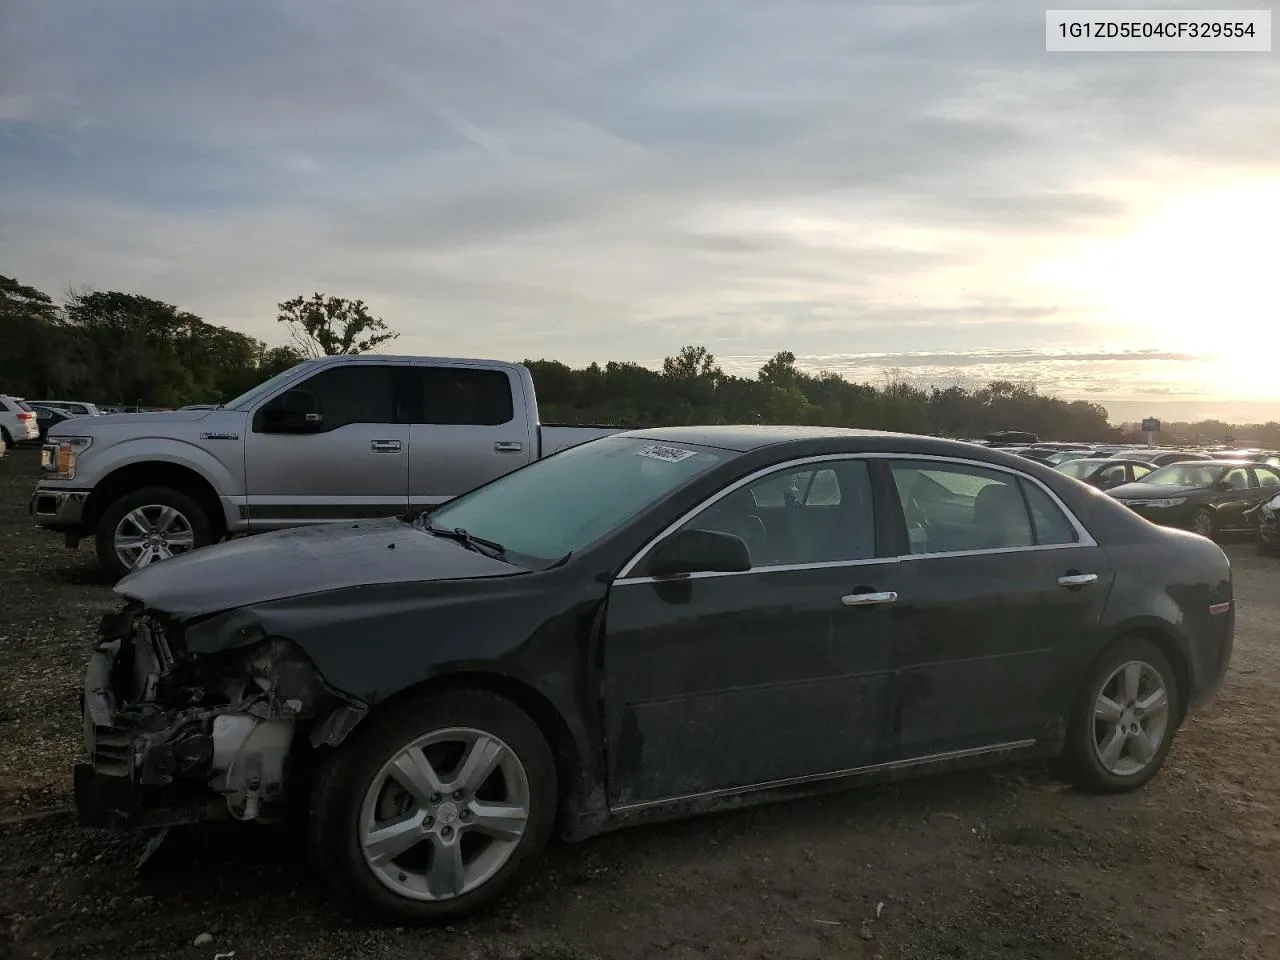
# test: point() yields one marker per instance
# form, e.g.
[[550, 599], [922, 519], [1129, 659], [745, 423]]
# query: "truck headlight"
[[58, 457]]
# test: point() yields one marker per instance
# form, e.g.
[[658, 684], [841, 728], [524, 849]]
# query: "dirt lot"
[[1003, 864]]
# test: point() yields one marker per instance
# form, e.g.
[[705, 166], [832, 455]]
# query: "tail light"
[[26, 416]]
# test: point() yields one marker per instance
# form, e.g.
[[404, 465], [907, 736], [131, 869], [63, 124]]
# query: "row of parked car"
[[1209, 492], [29, 421]]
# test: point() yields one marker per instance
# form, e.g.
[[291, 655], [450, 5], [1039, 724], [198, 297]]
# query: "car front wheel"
[[147, 526], [1202, 523], [1124, 719], [435, 808]]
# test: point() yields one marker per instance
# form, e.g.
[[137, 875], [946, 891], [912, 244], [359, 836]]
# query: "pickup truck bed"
[[336, 439]]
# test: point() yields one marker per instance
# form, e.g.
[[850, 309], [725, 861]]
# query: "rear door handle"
[[1077, 579], [384, 446], [508, 446], [866, 599]]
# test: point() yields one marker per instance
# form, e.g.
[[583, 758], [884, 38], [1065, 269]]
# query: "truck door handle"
[[866, 599], [508, 446], [1077, 579], [384, 446]]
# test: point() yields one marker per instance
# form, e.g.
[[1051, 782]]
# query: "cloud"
[[591, 179]]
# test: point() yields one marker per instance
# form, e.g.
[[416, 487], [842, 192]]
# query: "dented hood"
[[290, 563]]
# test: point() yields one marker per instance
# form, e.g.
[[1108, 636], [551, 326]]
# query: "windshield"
[[1186, 475], [1078, 468], [266, 386], [570, 500]]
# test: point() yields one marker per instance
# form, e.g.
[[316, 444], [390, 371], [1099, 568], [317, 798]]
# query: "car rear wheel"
[[1124, 719], [1202, 523], [436, 807], [147, 526], [4, 435]]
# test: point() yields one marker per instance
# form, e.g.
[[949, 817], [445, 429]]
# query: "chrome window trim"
[[1085, 538], [830, 775]]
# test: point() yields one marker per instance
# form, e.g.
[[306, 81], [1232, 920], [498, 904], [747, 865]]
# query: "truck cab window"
[[464, 396], [356, 393]]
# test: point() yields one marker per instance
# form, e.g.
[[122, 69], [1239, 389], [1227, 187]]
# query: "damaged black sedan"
[[649, 625]]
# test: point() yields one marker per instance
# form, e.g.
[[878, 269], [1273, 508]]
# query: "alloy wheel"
[[444, 814], [150, 533], [1130, 718]]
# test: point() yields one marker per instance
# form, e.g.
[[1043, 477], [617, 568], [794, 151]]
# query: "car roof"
[[742, 438], [748, 437], [1225, 462]]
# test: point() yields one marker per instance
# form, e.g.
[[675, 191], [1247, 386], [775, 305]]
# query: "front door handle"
[[866, 599], [508, 446], [384, 446], [1077, 579]]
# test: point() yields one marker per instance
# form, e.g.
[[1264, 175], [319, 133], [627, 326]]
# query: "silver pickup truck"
[[335, 439]]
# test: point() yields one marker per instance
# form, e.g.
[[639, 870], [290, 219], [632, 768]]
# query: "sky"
[[911, 187]]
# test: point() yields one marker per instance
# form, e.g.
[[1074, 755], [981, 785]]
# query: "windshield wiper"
[[478, 544]]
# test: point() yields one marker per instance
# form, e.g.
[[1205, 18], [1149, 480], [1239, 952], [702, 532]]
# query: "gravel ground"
[[999, 864]]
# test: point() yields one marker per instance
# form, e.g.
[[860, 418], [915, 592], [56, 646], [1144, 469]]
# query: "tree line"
[[125, 348]]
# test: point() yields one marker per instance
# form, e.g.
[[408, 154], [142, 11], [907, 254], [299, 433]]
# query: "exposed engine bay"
[[174, 736]]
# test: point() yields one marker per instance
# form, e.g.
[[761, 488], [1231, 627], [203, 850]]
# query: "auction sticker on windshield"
[[668, 454]]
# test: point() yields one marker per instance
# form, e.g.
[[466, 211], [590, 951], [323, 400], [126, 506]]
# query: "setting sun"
[[1195, 275]]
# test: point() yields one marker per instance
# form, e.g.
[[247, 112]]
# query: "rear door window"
[[1051, 525], [463, 396], [955, 508], [1266, 477]]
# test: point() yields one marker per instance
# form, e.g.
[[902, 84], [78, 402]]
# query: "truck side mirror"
[[294, 411]]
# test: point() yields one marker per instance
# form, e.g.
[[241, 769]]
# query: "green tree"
[[691, 363], [31, 361], [327, 326]]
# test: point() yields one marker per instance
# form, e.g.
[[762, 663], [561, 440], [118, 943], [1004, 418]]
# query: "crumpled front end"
[[175, 737]]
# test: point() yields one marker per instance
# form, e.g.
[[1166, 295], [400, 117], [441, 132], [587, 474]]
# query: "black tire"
[[202, 535], [1080, 758], [1263, 546], [8, 440], [339, 789], [1211, 523]]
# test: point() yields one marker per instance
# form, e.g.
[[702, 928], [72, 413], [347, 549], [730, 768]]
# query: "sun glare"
[[1196, 277]]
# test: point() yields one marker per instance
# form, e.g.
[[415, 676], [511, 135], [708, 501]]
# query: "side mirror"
[[700, 551], [294, 411], [1222, 485]]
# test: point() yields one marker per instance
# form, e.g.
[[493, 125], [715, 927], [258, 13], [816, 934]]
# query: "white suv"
[[17, 421]]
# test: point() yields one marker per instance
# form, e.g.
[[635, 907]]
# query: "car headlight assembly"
[[58, 457], [1167, 502]]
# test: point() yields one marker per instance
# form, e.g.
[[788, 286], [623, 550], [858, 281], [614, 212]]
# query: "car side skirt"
[[715, 801]]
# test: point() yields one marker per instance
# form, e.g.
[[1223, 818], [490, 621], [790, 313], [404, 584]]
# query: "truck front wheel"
[[147, 526]]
